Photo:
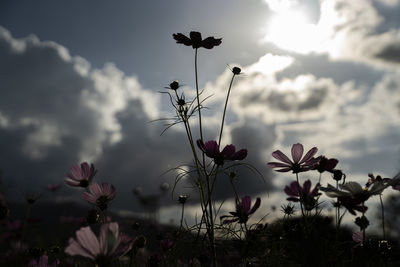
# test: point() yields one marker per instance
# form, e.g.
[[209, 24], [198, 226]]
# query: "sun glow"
[[291, 30]]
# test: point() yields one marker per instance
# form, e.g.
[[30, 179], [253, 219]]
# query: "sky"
[[81, 81]]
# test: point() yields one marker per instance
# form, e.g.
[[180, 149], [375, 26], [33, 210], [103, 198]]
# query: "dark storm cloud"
[[55, 111]]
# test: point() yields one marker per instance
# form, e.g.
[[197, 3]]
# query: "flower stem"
[[300, 195], [183, 210], [197, 93], [383, 217], [363, 230], [226, 104]]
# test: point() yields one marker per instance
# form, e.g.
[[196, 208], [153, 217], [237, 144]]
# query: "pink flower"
[[303, 193], [109, 245], [211, 149], [43, 261], [243, 210], [100, 194], [298, 164], [81, 176]]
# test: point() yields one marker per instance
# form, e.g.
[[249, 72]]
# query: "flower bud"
[[236, 70], [182, 199]]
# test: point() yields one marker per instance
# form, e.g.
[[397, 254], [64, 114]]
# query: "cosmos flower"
[[303, 193], [196, 41], [81, 176], [100, 195], [352, 204], [243, 210], [298, 164], [354, 190], [110, 244], [211, 149]]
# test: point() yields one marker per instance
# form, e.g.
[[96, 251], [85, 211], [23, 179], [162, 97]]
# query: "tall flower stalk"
[[206, 173]]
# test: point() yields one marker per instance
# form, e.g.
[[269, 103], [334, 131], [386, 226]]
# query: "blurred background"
[[80, 81]]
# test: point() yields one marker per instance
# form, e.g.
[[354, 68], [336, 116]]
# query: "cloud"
[[56, 110], [363, 31]]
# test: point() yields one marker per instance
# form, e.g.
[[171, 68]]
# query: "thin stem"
[[300, 195], [183, 210], [383, 217], [226, 104], [363, 230], [197, 93]]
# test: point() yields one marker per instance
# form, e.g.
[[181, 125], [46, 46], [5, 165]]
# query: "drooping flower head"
[[100, 195], [243, 210], [211, 149], [110, 244], [303, 193], [196, 41], [299, 163], [81, 176]]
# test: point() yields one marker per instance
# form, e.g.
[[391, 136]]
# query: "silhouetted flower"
[[298, 164], [100, 194], [325, 164], [173, 86], [196, 41], [81, 176], [211, 149], [236, 70], [53, 187], [243, 210], [362, 222], [288, 209], [109, 245], [354, 190], [43, 261], [338, 175], [303, 193], [352, 204], [394, 182], [182, 199]]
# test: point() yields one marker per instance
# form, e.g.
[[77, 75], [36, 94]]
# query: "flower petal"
[[306, 187], [246, 203], [297, 152], [277, 165], [256, 206], [240, 155], [309, 155], [228, 151], [282, 157], [210, 42], [182, 39]]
